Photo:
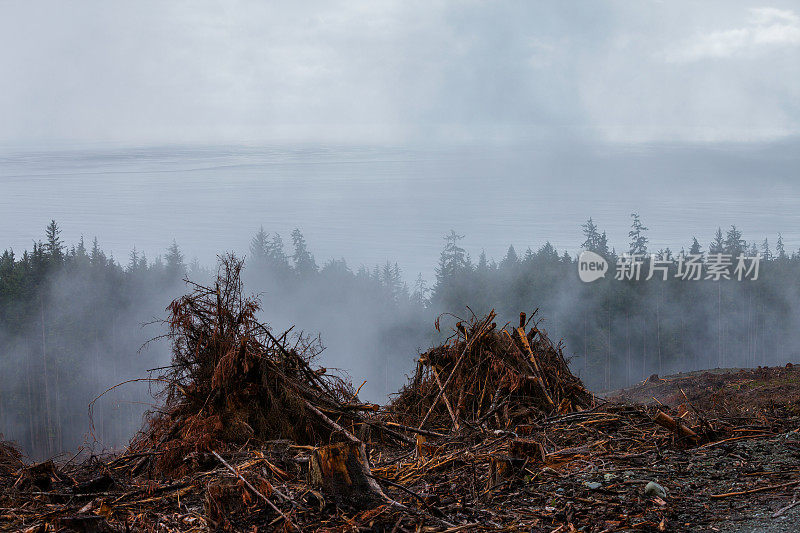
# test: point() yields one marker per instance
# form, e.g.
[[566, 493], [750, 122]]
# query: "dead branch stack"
[[485, 376], [232, 381]]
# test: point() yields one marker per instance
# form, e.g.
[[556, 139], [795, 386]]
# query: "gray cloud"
[[398, 70]]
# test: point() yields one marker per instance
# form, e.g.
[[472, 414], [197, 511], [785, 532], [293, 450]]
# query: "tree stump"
[[528, 449], [503, 468], [41, 475], [521, 453], [342, 472], [420, 446]]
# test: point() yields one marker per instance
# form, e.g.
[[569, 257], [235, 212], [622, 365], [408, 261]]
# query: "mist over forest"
[[75, 322]]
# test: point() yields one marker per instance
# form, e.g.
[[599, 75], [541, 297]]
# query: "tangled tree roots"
[[231, 381], [485, 376]]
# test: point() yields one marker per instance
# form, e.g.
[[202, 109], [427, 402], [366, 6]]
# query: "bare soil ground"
[[758, 467]]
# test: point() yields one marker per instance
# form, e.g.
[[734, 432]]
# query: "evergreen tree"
[[451, 290], [81, 256], [717, 246], [336, 268], [276, 255], [53, 246], [175, 267], [97, 258], [419, 296], [548, 252], [638, 244], [133, 260], [780, 250], [591, 236], [594, 240], [734, 244], [304, 263], [259, 247], [602, 245], [511, 260], [453, 260], [483, 264], [695, 248], [392, 281]]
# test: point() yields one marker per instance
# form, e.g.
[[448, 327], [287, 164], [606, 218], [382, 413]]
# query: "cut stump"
[[529, 449], [503, 468], [342, 472], [521, 453]]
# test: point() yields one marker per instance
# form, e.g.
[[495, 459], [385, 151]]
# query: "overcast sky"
[[196, 71]]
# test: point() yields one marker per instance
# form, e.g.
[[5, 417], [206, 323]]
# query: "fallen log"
[[664, 420]]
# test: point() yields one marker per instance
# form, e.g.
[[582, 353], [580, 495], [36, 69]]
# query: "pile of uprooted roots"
[[482, 376], [232, 381]]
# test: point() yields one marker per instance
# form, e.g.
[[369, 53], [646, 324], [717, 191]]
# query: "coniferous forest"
[[74, 321]]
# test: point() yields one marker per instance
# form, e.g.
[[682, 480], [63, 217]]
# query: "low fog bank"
[[371, 323], [76, 323], [618, 332], [72, 321]]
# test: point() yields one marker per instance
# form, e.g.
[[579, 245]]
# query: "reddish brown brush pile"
[[485, 376], [231, 381]]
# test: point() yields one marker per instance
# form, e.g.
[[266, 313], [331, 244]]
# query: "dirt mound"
[[485, 376], [232, 381], [758, 392]]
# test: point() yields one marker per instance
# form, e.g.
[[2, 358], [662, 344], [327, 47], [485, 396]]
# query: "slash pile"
[[233, 382], [488, 377]]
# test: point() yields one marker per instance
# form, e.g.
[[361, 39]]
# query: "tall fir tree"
[[259, 247], [695, 248], [717, 245], [174, 265], [304, 263], [780, 249], [638, 243], [53, 246], [734, 244]]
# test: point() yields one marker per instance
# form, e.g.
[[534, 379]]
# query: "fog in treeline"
[[73, 320]]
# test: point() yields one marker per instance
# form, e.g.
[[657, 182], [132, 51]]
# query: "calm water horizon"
[[369, 204]]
